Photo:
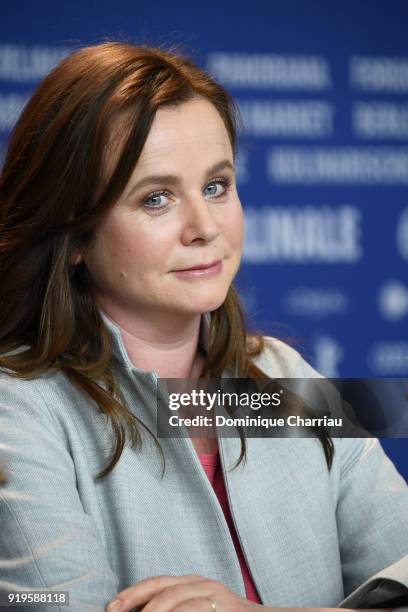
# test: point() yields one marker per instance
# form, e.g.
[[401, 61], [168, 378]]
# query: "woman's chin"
[[208, 304]]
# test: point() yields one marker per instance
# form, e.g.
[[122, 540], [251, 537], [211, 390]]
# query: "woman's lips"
[[203, 270]]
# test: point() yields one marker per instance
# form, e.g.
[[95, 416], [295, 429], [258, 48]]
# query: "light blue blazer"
[[311, 538]]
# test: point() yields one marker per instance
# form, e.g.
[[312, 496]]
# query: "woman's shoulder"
[[41, 396], [49, 379], [279, 359]]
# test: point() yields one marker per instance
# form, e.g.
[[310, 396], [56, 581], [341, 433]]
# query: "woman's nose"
[[199, 221]]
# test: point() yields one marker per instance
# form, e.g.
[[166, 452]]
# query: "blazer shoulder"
[[43, 397], [43, 382], [280, 360]]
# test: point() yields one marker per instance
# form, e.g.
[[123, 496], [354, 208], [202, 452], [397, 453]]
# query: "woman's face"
[[160, 226]]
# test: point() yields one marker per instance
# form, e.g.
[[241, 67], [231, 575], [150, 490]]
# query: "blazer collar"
[[119, 350]]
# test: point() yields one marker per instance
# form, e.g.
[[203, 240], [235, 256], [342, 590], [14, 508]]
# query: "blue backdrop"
[[322, 159]]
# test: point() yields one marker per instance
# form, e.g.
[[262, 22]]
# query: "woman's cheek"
[[236, 226]]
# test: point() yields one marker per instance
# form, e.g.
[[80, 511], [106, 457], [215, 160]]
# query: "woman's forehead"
[[192, 130]]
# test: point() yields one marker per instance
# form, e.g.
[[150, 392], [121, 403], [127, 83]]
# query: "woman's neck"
[[170, 350]]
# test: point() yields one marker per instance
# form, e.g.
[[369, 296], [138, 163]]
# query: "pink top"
[[212, 467]]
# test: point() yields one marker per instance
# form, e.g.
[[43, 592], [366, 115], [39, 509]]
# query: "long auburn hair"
[[54, 192]]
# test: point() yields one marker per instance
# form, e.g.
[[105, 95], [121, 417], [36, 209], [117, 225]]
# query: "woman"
[[119, 179]]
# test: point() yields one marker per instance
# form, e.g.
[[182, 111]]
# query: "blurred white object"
[[392, 300]]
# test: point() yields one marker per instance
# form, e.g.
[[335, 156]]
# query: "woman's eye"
[[154, 200], [222, 183]]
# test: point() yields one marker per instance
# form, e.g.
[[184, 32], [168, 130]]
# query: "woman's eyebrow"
[[171, 179]]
